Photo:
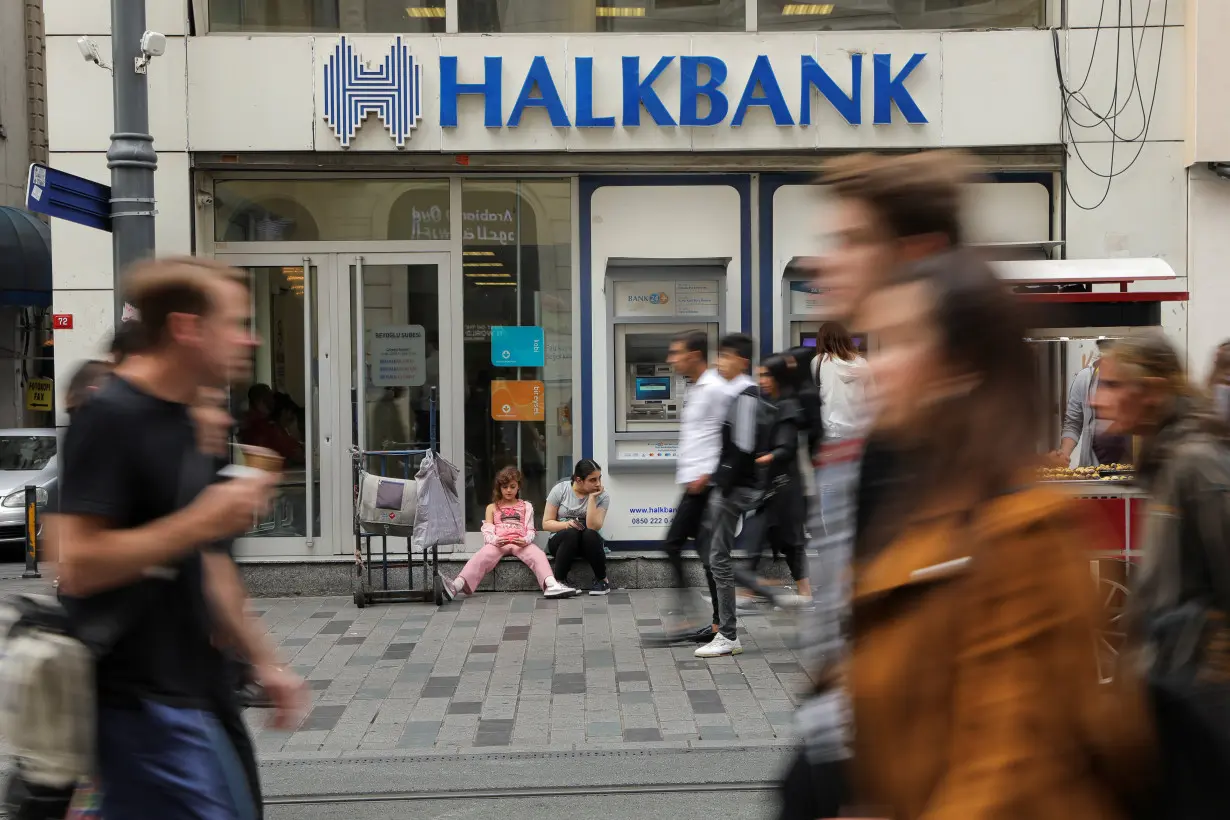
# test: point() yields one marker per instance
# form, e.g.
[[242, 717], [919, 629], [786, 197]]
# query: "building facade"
[[476, 222], [25, 272]]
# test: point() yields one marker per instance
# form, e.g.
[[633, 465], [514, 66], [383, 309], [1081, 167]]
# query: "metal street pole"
[[131, 157]]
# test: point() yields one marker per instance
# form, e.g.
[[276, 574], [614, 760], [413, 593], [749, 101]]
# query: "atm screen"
[[650, 388], [809, 341]]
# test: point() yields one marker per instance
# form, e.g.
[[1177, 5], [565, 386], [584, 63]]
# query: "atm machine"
[[650, 301], [804, 309]]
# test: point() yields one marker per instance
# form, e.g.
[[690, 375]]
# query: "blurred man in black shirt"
[[146, 575]]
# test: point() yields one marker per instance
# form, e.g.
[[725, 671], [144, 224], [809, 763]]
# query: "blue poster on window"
[[517, 347]]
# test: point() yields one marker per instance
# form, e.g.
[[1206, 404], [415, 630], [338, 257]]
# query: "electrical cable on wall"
[[1074, 99]]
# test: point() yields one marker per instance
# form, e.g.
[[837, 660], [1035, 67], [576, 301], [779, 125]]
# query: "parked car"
[[27, 458]]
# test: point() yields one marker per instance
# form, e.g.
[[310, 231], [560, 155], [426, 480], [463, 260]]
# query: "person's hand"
[[765, 459], [1057, 458], [288, 693], [228, 508], [575, 524], [698, 486]]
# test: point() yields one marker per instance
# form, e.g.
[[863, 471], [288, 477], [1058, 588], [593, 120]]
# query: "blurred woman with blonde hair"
[[1179, 605]]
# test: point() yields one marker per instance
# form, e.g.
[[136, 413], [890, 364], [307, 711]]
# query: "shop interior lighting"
[[484, 264], [429, 11], [292, 271], [493, 275], [617, 11], [496, 284], [800, 9], [478, 253]]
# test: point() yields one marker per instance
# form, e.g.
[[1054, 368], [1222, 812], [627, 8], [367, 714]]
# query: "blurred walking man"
[[700, 444], [890, 213], [145, 576]]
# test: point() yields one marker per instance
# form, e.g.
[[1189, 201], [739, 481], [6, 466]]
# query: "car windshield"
[[25, 452]]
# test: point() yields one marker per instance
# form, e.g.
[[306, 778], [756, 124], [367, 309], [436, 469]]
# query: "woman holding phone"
[[575, 512]]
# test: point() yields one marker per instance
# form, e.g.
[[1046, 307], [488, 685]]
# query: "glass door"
[[281, 409], [399, 326]]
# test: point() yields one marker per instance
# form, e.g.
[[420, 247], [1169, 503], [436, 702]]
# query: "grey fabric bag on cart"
[[387, 506], [438, 519]]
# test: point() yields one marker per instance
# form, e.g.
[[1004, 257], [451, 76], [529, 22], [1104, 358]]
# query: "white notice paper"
[[399, 356]]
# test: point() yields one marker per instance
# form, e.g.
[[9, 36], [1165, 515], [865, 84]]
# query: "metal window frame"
[[1056, 15]]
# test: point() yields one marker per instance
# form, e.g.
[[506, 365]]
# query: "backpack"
[[47, 707]]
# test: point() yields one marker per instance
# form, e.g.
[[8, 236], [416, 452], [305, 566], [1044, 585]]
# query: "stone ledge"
[[627, 570]]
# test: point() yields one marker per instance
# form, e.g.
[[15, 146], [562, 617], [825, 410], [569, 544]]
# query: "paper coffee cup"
[[261, 459], [240, 471]]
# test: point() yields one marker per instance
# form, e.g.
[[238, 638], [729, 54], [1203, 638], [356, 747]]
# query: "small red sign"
[[62, 321]]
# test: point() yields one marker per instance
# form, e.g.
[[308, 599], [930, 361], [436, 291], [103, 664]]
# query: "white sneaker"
[[719, 646], [557, 590]]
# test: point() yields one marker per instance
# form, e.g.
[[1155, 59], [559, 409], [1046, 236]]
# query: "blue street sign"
[[70, 197], [518, 347]]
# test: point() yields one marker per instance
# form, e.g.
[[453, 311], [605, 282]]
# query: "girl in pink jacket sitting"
[[508, 530]]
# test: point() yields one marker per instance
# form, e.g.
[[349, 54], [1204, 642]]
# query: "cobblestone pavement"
[[513, 671]]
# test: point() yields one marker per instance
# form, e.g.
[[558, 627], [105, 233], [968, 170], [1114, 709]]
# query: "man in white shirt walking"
[[700, 442]]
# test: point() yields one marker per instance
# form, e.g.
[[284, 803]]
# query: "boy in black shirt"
[[143, 578]]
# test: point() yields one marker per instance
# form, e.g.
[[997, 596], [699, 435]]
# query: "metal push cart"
[[367, 576]]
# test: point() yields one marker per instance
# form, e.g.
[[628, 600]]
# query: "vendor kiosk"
[[649, 302], [1071, 305]]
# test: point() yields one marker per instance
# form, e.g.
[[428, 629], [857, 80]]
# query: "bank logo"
[[392, 91], [650, 298]]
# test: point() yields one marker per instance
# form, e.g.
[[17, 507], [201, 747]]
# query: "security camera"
[[89, 50], [153, 44]]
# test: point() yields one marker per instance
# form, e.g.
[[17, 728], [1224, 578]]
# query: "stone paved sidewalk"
[[505, 671]]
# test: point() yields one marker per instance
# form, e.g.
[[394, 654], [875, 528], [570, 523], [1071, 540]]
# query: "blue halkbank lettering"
[[726, 98]]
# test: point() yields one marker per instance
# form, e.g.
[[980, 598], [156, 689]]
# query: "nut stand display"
[[385, 506], [1071, 305]]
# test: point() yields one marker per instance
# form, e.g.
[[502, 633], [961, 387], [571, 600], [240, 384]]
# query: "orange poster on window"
[[518, 400]]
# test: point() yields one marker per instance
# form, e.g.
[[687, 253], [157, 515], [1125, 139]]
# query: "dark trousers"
[[688, 524], [777, 526], [567, 544], [809, 790]]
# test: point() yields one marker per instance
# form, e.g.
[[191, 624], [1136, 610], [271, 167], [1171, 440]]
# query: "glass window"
[[518, 272], [580, 16], [401, 313], [272, 414], [26, 451], [785, 15], [264, 210], [374, 16]]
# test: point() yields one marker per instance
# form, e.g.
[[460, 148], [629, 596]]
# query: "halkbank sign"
[[708, 94]]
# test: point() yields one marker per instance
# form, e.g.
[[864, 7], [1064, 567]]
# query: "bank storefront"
[[596, 194], [494, 237]]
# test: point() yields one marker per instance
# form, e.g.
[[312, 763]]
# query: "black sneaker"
[[703, 634], [600, 588]]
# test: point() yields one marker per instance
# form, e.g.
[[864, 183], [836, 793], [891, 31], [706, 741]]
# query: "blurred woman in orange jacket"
[[972, 672]]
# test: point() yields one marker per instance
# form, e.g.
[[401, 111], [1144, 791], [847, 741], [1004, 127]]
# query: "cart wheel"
[[360, 600], [437, 586]]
